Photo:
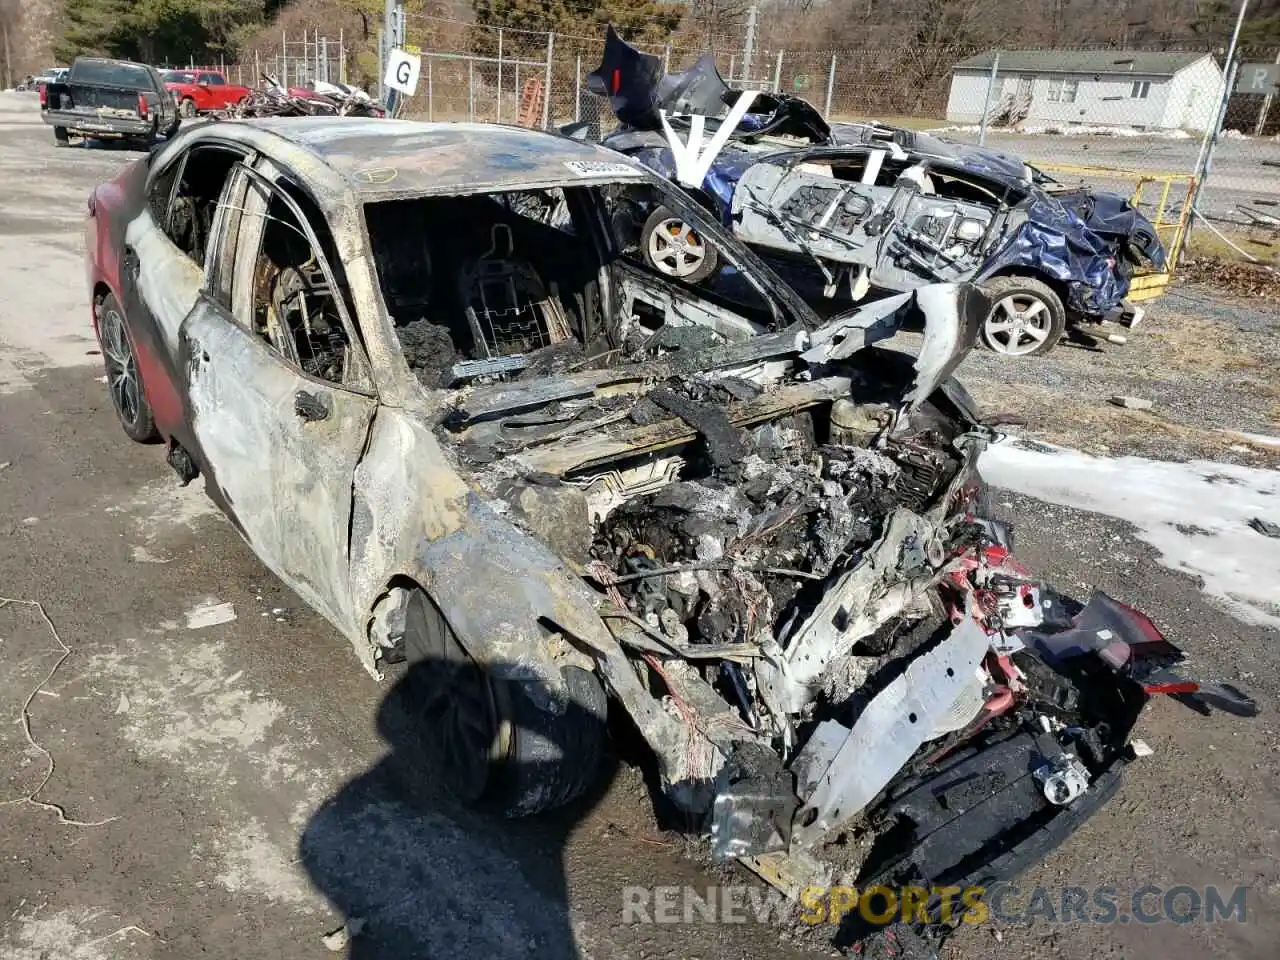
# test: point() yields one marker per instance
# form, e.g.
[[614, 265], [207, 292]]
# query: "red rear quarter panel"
[[115, 203]]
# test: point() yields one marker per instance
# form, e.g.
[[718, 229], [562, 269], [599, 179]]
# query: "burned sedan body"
[[431, 378], [851, 208]]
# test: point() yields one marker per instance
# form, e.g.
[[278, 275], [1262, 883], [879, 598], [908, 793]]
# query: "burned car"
[[848, 209], [430, 376]]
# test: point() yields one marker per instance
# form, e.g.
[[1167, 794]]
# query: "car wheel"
[[60, 137], [481, 737], [187, 107], [675, 249], [1026, 317], [123, 382]]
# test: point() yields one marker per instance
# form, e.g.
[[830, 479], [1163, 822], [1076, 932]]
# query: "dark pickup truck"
[[109, 99]]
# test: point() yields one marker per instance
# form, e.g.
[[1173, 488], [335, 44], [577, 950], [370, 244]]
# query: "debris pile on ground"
[[1238, 279]]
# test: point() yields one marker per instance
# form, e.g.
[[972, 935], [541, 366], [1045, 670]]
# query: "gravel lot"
[[239, 789], [1208, 362]]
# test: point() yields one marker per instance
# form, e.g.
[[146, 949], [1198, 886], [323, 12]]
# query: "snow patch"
[[1261, 439], [160, 510], [1067, 130], [254, 864], [1195, 514], [182, 710], [73, 934]]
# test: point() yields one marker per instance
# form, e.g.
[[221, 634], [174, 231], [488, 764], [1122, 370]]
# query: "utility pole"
[[1204, 162], [392, 22], [749, 44], [8, 60], [986, 103], [388, 39]]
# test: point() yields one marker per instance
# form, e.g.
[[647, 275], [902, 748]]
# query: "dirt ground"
[[231, 790]]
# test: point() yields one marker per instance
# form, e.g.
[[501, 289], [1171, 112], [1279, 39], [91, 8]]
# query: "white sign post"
[[1258, 78], [402, 71]]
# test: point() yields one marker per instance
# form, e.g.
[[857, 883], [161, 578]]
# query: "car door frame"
[[290, 495], [146, 324]]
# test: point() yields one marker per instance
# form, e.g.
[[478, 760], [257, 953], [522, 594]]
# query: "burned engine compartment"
[[840, 665], [781, 530], [739, 554]]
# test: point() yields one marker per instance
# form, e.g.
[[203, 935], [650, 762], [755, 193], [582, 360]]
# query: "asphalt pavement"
[[223, 790]]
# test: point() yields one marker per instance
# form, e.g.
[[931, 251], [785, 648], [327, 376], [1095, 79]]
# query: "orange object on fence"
[[531, 103]]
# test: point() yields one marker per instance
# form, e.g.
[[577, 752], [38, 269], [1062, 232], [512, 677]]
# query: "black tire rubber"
[[187, 108], [711, 258], [1002, 287], [140, 425], [543, 760], [60, 137]]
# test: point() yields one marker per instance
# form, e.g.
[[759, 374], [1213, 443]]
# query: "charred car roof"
[[378, 158]]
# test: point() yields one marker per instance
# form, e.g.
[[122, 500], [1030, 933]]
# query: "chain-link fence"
[[295, 61], [1105, 117]]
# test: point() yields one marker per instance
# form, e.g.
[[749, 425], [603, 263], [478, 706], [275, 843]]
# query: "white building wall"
[[1183, 101], [968, 93], [1194, 96], [1105, 102]]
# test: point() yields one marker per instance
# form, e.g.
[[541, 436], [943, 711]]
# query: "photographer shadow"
[[420, 874]]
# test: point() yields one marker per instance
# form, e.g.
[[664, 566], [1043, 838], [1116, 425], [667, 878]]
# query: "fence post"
[[777, 73], [666, 59], [577, 90], [499, 75], [471, 89], [1204, 162], [284, 57], [831, 84], [324, 59], [1220, 117], [986, 105], [546, 84], [257, 68], [431, 105], [733, 64], [342, 56], [1265, 109]]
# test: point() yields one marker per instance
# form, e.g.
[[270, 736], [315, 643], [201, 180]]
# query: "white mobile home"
[[1120, 88]]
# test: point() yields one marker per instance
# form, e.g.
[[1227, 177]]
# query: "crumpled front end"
[[811, 622]]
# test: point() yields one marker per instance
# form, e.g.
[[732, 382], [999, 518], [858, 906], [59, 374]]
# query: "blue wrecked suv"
[[847, 210]]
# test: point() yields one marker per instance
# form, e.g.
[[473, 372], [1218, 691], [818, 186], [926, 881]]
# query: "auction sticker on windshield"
[[600, 168]]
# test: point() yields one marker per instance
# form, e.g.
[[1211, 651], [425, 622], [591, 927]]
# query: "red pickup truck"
[[199, 91]]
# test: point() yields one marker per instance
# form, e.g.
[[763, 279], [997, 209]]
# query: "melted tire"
[[555, 759], [539, 761]]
